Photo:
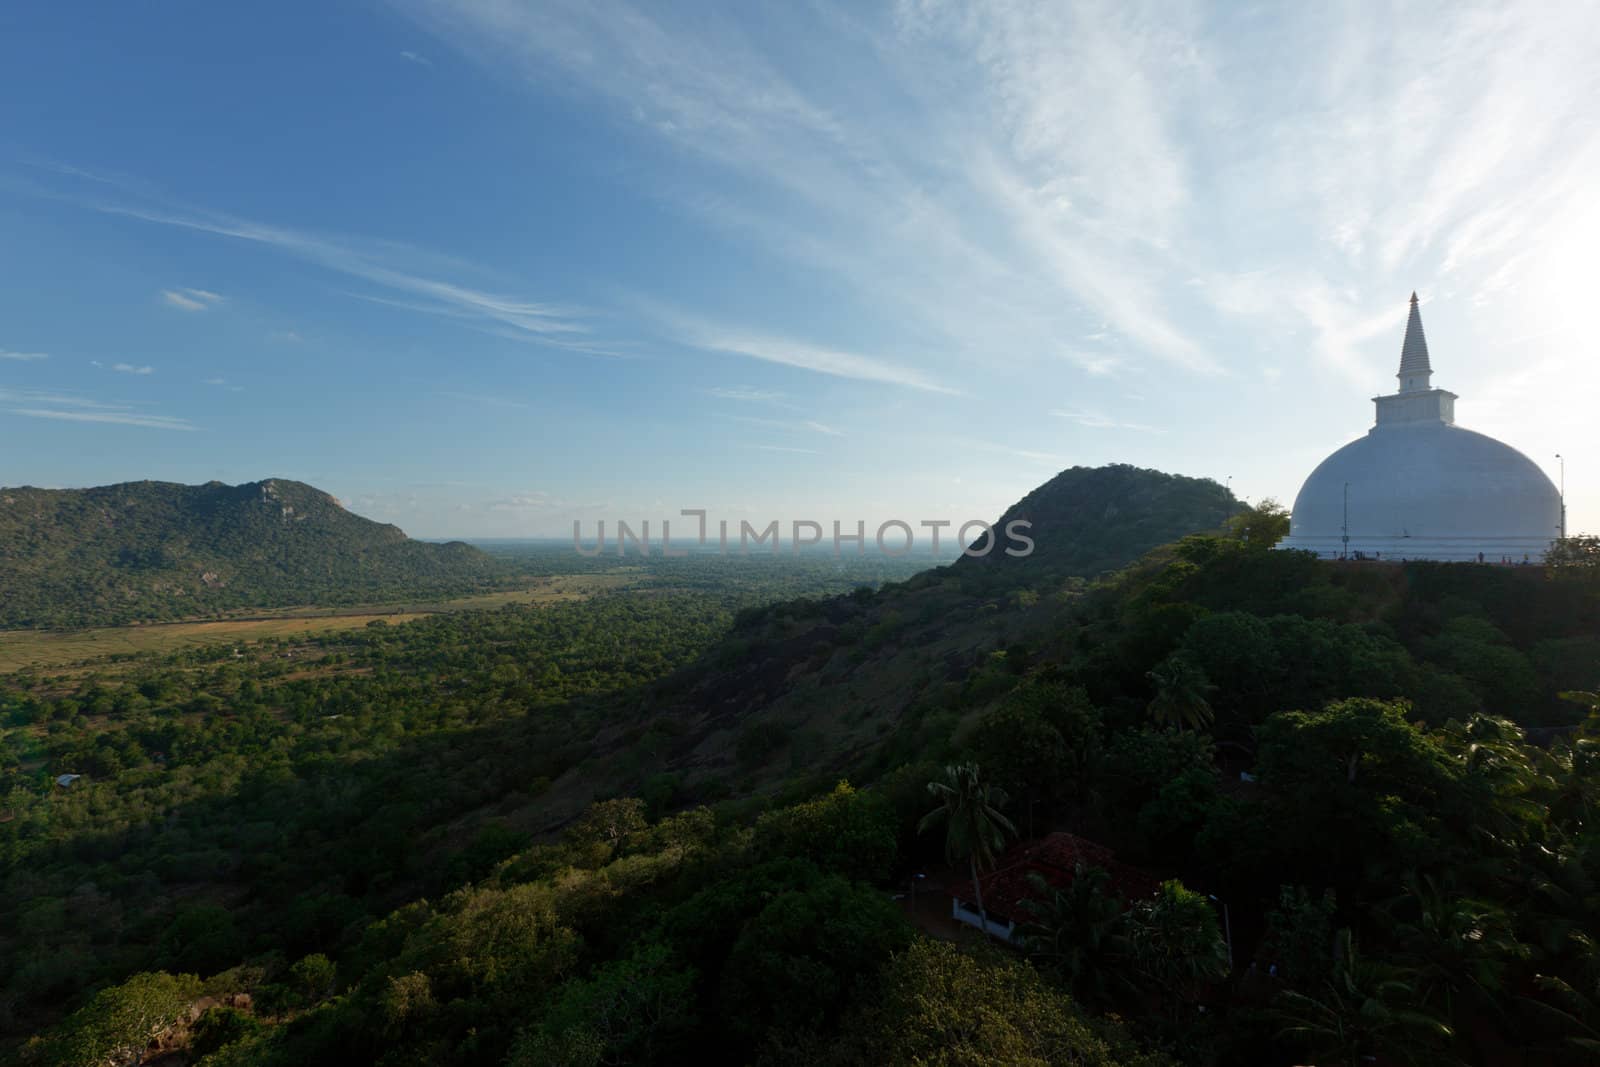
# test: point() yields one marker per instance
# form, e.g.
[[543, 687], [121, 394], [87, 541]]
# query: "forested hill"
[[1090, 520], [159, 550], [838, 673]]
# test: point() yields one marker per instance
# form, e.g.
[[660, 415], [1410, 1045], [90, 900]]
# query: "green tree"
[[1261, 526], [1479, 652], [1018, 745], [1495, 762], [1459, 950], [1079, 933], [1364, 1009], [1353, 741], [846, 831], [1171, 820], [975, 828], [1236, 652], [1182, 692], [118, 1025], [938, 1007], [219, 1027], [1353, 789], [1176, 942], [797, 964], [1576, 557], [312, 977], [203, 937], [1571, 773], [607, 826], [633, 1010]]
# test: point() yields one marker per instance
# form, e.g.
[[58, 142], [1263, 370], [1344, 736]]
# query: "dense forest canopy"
[[687, 821]]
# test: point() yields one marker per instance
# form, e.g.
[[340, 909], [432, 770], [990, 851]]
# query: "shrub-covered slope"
[[1090, 520]]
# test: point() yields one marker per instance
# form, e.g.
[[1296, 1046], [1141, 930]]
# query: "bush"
[[846, 831], [220, 1026]]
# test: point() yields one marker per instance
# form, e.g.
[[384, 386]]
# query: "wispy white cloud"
[[1095, 420], [744, 393], [374, 262], [68, 407], [23, 357], [416, 57], [714, 337], [191, 299], [539, 500], [1032, 455], [1096, 365], [45, 396], [152, 422], [786, 448], [798, 425], [123, 368], [1072, 164], [992, 217]]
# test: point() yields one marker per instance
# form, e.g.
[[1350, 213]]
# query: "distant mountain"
[[1090, 520], [158, 550]]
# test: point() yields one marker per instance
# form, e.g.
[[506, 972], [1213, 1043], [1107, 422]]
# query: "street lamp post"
[[1346, 528], [1563, 495]]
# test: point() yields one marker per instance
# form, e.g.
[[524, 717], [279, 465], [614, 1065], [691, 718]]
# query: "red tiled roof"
[[1054, 858]]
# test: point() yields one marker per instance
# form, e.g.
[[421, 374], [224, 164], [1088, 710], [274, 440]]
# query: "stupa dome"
[[1417, 486]]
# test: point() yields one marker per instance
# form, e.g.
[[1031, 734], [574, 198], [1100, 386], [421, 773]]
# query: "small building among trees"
[[1055, 859]]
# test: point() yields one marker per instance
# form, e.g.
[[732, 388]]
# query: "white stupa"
[[1418, 486]]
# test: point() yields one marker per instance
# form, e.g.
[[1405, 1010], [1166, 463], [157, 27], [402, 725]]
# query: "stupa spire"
[[1415, 369]]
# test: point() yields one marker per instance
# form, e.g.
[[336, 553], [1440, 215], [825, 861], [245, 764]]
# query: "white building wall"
[[961, 913]]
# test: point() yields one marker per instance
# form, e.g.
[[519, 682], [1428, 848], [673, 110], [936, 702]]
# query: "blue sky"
[[479, 267]]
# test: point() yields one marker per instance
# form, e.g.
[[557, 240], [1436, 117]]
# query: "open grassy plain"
[[50, 650]]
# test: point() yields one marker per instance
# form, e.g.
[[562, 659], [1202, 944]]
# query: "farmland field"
[[55, 649]]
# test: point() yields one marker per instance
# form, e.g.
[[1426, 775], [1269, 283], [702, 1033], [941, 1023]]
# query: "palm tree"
[[974, 827], [1563, 905], [1458, 950], [1571, 774], [1573, 1012], [1181, 692], [1492, 753], [1079, 932], [1360, 1010]]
